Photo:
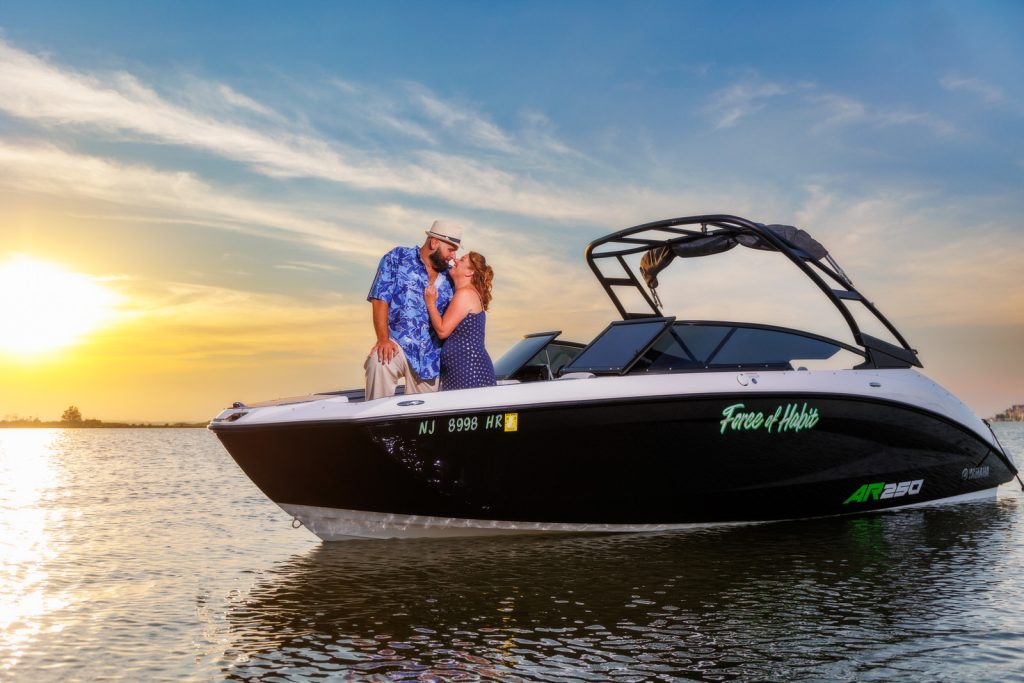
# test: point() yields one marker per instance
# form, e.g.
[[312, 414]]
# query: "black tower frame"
[[615, 247]]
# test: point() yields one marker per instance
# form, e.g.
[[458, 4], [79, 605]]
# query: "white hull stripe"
[[332, 524]]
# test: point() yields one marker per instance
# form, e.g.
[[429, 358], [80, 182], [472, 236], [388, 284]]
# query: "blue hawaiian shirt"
[[400, 281]]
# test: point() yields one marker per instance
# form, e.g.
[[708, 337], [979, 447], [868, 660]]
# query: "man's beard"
[[438, 261]]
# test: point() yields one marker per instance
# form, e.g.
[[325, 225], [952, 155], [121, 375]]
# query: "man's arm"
[[385, 348]]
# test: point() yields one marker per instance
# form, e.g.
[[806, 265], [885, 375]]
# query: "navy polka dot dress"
[[464, 360]]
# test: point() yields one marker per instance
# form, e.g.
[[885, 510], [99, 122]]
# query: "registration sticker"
[[511, 422]]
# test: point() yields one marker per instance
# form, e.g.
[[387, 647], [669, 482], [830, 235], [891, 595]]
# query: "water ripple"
[[830, 597], [147, 555]]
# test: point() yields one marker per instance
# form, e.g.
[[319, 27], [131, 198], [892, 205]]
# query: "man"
[[406, 344]]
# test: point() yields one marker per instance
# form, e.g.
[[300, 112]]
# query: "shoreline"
[[101, 425]]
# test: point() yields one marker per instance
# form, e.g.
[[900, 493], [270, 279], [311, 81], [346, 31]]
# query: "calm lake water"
[[147, 555]]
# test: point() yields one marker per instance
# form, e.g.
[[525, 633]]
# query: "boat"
[[658, 423]]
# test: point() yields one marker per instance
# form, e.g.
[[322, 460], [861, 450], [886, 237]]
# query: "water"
[[147, 555]]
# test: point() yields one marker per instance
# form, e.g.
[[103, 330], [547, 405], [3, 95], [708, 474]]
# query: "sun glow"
[[44, 308]]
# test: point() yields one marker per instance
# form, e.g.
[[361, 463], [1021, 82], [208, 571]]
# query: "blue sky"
[[234, 170]]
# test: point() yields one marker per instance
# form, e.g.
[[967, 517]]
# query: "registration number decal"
[[508, 422]]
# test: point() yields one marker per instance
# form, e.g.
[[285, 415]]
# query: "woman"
[[464, 360]]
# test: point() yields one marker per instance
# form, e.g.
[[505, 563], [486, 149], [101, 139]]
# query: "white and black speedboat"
[[657, 423]]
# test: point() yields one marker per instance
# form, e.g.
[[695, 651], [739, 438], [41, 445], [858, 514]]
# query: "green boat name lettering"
[[792, 417]]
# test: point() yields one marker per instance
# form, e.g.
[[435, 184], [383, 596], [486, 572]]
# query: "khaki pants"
[[382, 378]]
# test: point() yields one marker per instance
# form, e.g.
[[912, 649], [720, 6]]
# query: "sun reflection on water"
[[30, 479]]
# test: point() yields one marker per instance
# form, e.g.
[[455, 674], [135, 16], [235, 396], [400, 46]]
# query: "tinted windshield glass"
[[752, 346], [556, 356], [520, 354], [670, 352], [617, 346], [695, 346], [701, 340]]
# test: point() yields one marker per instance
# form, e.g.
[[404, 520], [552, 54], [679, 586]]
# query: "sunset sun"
[[44, 308]]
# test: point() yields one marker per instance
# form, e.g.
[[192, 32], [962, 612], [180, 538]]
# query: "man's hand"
[[385, 350]]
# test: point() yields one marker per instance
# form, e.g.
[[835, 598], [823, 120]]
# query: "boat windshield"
[[536, 357], [619, 345], [659, 345]]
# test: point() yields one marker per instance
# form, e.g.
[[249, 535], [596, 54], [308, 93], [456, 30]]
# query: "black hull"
[[663, 462]]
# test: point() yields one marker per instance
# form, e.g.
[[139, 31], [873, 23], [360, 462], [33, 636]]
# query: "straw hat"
[[446, 231]]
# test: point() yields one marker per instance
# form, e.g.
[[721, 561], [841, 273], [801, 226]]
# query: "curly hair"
[[483, 275]]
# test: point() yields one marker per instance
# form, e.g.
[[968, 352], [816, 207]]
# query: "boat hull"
[[332, 524], [629, 465]]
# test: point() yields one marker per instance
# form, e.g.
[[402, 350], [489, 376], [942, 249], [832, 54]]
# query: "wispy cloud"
[[307, 266], [153, 195], [237, 99], [729, 106], [535, 283], [120, 104], [370, 108], [122, 107], [740, 100], [220, 100], [878, 239], [903, 117], [841, 110], [462, 118], [986, 91], [188, 323]]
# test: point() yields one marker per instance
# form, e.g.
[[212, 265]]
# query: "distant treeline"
[[72, 418], [93, 424]]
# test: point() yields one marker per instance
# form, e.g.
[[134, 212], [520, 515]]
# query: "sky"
[[194, 196]]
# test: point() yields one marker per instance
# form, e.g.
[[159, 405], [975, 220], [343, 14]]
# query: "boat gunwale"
[[604, 401]]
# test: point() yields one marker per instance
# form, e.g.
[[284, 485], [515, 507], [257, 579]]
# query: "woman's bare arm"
[[461, 305]]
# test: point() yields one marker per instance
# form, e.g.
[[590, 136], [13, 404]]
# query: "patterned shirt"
[[400, 281]]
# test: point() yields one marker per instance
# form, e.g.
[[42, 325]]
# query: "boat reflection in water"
[[830, 599], [656, 424]]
